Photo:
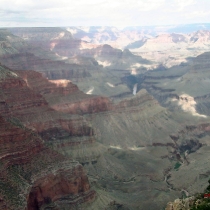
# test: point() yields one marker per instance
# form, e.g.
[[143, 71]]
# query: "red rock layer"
[[57, 186], [23, 148], [64, 96], [17, 144], [26, 119], [37, 82], [84, 106], [22, 99], [16, 97]]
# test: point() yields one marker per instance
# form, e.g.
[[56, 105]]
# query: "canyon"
[[85, 125]]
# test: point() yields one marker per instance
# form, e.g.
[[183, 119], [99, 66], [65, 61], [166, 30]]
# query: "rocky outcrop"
[[63, 184], [59, 126], [64, 96], [180, 204], [37, 82], [41, 175]]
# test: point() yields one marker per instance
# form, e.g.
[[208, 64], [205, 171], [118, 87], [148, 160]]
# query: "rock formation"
[[180, 204], [32, 175]]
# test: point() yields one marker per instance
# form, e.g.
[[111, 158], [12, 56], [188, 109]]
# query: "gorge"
[[90, 122]]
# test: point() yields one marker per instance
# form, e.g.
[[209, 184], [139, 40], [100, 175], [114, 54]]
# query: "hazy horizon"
[[52, 13]]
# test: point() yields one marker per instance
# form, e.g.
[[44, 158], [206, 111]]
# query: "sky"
[[120, 13]]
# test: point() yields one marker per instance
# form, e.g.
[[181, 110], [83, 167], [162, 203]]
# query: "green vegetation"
[[177, 165], [203, 206], [200, 202]]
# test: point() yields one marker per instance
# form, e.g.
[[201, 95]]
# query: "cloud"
[[79, 5], [181, 4], [98, 12], [108, 11], [197, 14], [150, 4]]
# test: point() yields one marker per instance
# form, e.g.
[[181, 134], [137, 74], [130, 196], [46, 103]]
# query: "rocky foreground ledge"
[[200, 201]]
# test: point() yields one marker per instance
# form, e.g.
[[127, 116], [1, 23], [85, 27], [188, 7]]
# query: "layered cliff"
[[32, 175]]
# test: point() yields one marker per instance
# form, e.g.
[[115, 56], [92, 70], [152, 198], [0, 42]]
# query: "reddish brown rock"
[[64, 96], [22, 148], [17, 144], [35, 174], [58, 185]]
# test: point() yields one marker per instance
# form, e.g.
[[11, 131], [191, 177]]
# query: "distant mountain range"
[[122, 37]]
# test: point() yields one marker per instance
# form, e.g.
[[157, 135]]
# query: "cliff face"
[[62, 185], [64, 96], [36, 175], [33, 176], [27, 143]]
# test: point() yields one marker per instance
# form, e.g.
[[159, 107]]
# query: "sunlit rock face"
[[113, 58], [58, 44], [188, 104], [180, 204]]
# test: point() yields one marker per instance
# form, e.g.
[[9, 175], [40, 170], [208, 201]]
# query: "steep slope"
[[61, 42], [164, 42], [76, 137], [33, 176], [10, 44]]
